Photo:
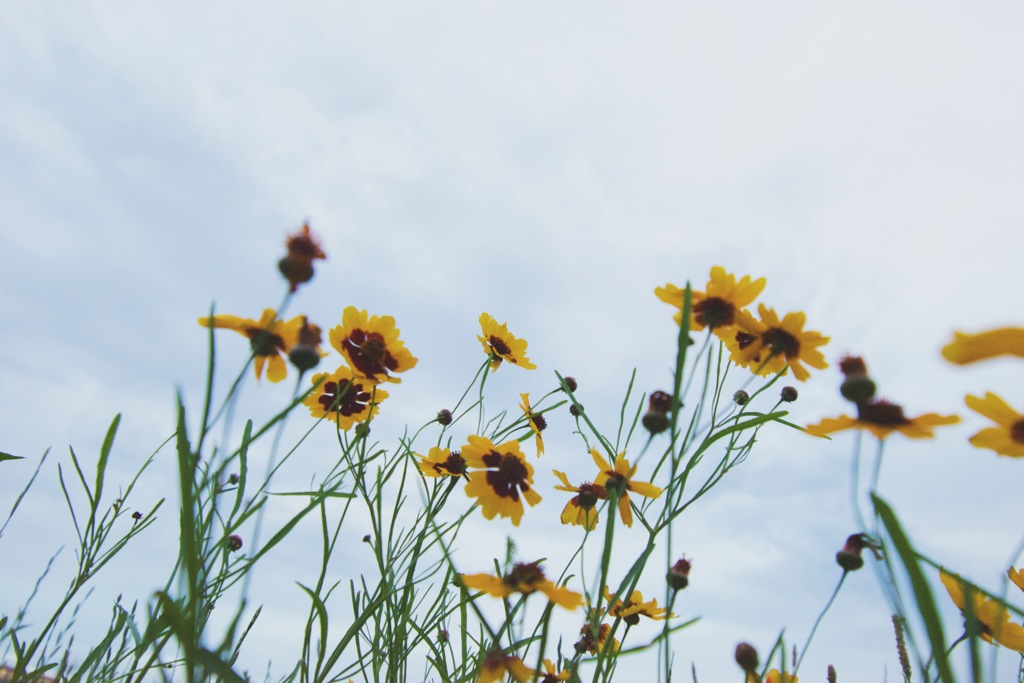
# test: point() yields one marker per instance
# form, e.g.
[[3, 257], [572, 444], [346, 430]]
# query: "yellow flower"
[[525, 578], [990, 614], [536, 421], [768, 345], [774, 676], [1005, 439], [371, 345], [501, 345], [497, 665], [717, 306], [440, 462], [343, 398], [271, 339], [970, 348], [502, 478], [581, 510], [1017, 576], [552, 675], [634, 608], [621, 477], [587, 642], [882, 418]]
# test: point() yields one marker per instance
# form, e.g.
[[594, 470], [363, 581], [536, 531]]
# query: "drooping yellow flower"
[[553, 675], [882, 418], [970, 348], [536, 421], [587, 641], [501, 478], [525, 578], [497, 665], [371, 345], [441, 462], [271, 339], [343, 398], [1005, 439], [992, 616], [769, 345], [634, 608], [717, 306], [500, 344], [620, 476], [581, 510]]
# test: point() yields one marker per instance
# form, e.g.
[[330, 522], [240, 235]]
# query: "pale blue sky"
[[550, 165]]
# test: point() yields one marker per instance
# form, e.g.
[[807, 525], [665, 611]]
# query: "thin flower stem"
[[817, 622]]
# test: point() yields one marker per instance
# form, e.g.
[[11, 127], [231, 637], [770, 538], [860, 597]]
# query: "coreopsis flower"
[[632, 609], [303, 248], [525, 578], [536, 421], [344, 398], [882, 418], [306, 353], [716, 307], [971, 348], [588, 643], [500, 478], [774, 676], [371, 345], [581, 510], [1017, 576], [1007, 437], [441, 462], [769, 345], [271, 339], [620, 476], [502, 345], [552, 674], [991, 615], [497, 665]]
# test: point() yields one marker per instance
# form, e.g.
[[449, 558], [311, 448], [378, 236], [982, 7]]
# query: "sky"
[[550, 163]]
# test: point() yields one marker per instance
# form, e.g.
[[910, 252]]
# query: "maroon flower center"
[[882, 413], [781, 342], [743, 340], [500, 347], [538, 422], [453, 464], [714, 312], [525, 577], [1017, 431], [369, 353], [344, 397], [509, 477]]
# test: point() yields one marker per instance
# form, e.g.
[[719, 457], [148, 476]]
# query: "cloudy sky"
[[551, 163]]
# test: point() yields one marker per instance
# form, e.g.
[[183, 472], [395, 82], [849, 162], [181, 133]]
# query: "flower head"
[[970, 348], [587, 641], [717, 306], [581, 510], [882, 418], [343, 398], [552, 674], [1007, 437], [501, 478], [497, 665], [774, 676], [501, 345], [769, 345], [536, 421], [620, 476], [441, 462], [632, 609], [990, 614], [524, 578], [371, 345], [271, 339], [303, 248]]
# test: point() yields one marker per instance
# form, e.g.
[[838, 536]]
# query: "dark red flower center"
[[1017, 431], [454, 464], [743, 340], [344, 397], [714, 312], [525, 577], [883, 413], [509, 476], [500, 347], [369, 353], [781, 342], [538, 422]]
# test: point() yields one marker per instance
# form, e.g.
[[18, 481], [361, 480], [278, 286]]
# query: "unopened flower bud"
[[304, 357], [849, 557], [576, 409], [741, 397], [746, 657], [362, 430], [788, 394], [857, 388], [570, 383], [137, 516], [442, 635], [234, 542], [232, 478], [678, 576], [444, 417], [366, 538]]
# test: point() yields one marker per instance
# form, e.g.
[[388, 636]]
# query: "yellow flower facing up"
[[971, 348], [993, 617], [371, 345], [634, 608], [718, 305], [343, 398], [581, 510], [552, 674], [502, 345], [769, 345], [501, 478], [536, 421], [525, 578], [441, 462], [1007, 438], [620, 476], [882, 418], [271, 339], [497, 665], [773, 676]]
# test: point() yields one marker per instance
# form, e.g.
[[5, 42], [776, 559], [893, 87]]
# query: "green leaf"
[[101, 466], [8, 456]]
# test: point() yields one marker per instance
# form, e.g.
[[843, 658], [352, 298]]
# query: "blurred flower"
[[306, 353], [849, 558], [882, 418], [768, 345], [1017, 576], [502, 475], [343, 398], [970, 348], [992, 616], [537, 422], [678, 576], [234, 542], [656, 419], [525, 578], [634, 608], [497, 665], [581, 510], [774, 676], [441, 462], [303, 248], [501, 345], [1005, 439], [552, 675], [587, 642], [620, 476], [746, 657], [717, 306], [371, 345], [269, 337]]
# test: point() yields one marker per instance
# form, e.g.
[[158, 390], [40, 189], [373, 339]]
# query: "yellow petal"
[[970, 348]]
